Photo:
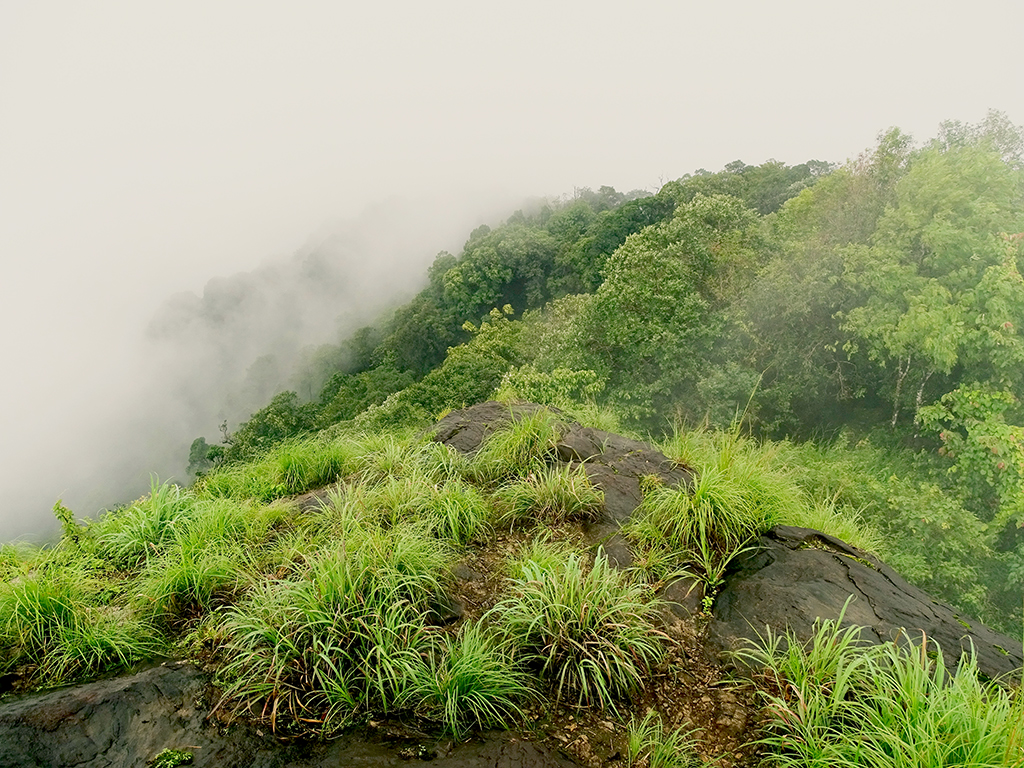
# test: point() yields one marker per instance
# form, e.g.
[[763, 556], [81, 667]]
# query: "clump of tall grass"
[[397, 498], [57, 622], [587, 630], [738, 492], [441, 463], [207, 560], [649, 745], [302, 465], [520, 447], [551, 495], [127, 537], [292, 467], [842, 522], [346, 634], [835, 701], [472, 681], [458, 512], [389, 455]]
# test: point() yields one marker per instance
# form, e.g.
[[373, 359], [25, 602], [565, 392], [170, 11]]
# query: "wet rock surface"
[[127, 721], [797, 575]]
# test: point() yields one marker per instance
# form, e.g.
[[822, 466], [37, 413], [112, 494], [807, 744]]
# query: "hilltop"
[[705, 418]]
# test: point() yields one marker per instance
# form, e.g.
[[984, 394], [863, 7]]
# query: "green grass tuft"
[[834, 701], [344, 634], [552, 495], [649, 745], [586, 629], [473, 682], [520, 447]]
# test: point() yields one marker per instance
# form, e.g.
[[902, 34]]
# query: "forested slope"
[[876, 306]]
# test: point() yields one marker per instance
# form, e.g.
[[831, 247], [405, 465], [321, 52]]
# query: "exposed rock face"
[[127, 721], [612, 462], [798, 575]]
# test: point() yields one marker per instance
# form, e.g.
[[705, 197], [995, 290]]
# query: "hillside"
[[704, 419], [517, 570]]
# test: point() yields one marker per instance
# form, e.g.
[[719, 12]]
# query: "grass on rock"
[[586, 630]]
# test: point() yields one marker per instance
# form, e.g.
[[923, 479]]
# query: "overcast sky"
[[147, 147]]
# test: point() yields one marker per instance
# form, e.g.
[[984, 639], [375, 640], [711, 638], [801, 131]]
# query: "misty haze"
[[555, 384]]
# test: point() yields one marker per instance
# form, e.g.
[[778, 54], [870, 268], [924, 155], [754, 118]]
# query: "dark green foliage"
[[677, 277], [284, 417]]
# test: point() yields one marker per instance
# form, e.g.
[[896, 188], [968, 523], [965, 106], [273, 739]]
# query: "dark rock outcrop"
[[798, 575], [127, 721], [613, 463]]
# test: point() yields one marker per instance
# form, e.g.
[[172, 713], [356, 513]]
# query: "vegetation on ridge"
[[730, 317]]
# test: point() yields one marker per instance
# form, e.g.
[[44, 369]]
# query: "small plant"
[[522, 446], [472, 682], [649, 746], [551, 495], [171, 758], [588, 631]]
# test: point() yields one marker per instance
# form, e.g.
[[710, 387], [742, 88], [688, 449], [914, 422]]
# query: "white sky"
[[146, 147]]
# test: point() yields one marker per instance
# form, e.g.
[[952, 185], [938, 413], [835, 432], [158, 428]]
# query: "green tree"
[[653, 321]]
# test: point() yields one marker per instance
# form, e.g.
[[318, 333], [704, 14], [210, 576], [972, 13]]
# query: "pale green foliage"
[[989, 453], [588, 631], [472, 681], [905, 707], [560, 387]]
